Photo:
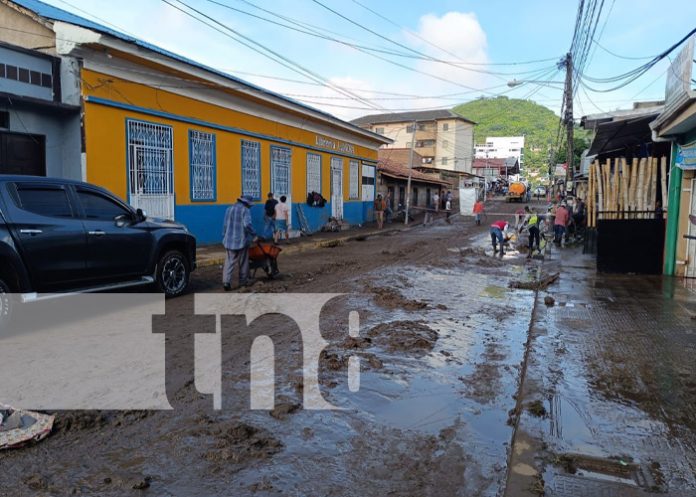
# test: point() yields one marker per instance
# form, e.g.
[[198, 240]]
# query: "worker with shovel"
[[499, 234]]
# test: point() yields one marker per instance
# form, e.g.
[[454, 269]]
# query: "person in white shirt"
[[282, 218]]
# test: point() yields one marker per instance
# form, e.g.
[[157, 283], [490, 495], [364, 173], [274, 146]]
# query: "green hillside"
[[502, 116]]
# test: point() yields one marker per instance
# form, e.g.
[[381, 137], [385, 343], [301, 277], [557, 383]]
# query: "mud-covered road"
[[442, 340]]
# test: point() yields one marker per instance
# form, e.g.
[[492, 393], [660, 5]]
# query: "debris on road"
[[405, 336], [540, 284], [549, 301], [392, 299], [18, 427]]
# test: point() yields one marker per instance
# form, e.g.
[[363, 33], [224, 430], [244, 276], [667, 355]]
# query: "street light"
[[515, 82]]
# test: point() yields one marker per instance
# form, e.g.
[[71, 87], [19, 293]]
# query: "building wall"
[[501, 147], [111, 101], [686, 201], [19, 29]]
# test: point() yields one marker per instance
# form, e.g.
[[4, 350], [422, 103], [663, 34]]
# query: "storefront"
[[677, 124]]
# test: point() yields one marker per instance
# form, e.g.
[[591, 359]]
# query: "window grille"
[[251, 169], [280, 170], [354, 180], [202, 164], [313, 173]]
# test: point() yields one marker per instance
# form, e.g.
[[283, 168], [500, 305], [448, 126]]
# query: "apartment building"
[[443, 139], [502, 147]]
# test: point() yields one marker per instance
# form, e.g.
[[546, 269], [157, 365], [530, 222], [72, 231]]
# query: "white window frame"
[[353, 180], [202, 166], [281, 158], [251, 169], [313, 173]]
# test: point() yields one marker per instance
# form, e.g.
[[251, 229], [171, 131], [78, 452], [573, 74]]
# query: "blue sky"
[[484, 33]]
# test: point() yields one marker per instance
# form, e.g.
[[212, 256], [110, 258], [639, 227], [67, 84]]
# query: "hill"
[[502, 116]]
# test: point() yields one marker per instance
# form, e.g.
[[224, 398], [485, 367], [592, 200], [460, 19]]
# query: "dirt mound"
[[408, 336], [392, 299], [238, 443]]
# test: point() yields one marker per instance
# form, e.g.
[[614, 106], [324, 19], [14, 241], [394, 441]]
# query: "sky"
[[484, 45]]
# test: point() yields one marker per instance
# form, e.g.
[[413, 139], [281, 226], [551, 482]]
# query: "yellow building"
[[183, 141]]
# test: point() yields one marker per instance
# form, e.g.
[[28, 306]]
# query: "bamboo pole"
[[600, 192], [634, 185], [640, 192], [589, 199], [615, 191], [624, 184], [653, 184], [663, 174]]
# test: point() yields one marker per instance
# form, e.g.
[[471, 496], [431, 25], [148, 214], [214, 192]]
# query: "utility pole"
[[410, 170], [569, 117]]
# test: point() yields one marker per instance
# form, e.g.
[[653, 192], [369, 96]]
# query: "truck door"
[[51, 238]]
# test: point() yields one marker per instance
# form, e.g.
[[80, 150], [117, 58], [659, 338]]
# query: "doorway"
[[22, 154]]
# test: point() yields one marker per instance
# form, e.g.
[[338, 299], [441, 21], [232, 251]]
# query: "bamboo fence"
[[621, 190]]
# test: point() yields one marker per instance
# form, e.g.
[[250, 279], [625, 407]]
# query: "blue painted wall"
[[205, 220]]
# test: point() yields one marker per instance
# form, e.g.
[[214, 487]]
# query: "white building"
[[502, 147], [443, 139]]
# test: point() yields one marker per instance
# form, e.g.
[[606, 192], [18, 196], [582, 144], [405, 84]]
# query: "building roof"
[[639, 109], [619, 135], [50, 13], [399, 117], [394, 162], [488, 163]]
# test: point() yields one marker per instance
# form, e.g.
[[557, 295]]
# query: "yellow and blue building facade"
[[184, 141]]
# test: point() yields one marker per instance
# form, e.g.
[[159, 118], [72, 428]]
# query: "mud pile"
[[392, 299], [404, 336], [238, 443]]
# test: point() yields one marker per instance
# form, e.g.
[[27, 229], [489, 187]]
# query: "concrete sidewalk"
[[608, 393], [214, 255]]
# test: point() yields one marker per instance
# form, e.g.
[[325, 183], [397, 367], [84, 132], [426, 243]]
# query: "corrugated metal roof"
[[51, 13], [398, 117]]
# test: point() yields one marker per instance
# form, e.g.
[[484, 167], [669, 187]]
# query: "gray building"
[[39, 125]]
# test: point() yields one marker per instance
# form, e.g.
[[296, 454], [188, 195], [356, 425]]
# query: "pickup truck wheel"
[[173, 273], [5, 304]]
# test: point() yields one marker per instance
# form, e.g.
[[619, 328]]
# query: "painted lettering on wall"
[[339, 146]]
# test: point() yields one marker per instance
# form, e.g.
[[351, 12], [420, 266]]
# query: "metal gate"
[[691, 242], [150, 168], [337, 187]]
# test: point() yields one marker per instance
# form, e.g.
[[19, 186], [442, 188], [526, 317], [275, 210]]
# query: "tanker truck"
[[517, 192]]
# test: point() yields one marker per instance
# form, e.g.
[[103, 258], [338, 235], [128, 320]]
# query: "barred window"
[[313, 173], [150, 148], [202, 165], [354, 180], [280, 170], [251, 169]]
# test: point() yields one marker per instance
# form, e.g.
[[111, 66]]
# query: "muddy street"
[[479, 376], [441, 344]]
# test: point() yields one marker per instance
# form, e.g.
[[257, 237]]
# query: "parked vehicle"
[[540, 191], [63, 236], [517, 192]]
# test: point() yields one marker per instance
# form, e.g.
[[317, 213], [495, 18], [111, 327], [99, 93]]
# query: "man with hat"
[[237, 235]]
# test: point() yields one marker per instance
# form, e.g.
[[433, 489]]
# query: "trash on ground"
[[18, 427], [535, 284]]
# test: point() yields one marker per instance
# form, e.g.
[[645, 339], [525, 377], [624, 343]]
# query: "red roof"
[[488, 163], [394, 162]]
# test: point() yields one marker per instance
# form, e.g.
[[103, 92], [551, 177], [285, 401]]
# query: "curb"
[[333, 242]]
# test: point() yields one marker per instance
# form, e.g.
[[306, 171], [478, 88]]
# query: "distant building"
[[443, 139], [492, 169], [502, 147]]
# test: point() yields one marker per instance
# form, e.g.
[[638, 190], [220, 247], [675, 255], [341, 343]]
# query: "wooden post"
[[640, 192], [601, 189], [624, 185], [653, 184], [589, 198], [634, 185], [663, 174]]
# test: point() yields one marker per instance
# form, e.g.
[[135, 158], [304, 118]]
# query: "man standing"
[[436, 201], [380, 207], [269, 217], [498, 229], [282, 219], [560, 223], [478, 211], [388, 212], [237, 235]]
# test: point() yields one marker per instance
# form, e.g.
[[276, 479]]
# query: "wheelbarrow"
[[264, 255]]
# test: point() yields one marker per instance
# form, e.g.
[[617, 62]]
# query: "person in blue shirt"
[[237, 235]]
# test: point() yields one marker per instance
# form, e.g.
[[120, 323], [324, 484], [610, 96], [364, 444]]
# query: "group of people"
[[562, 216], [238, 233]]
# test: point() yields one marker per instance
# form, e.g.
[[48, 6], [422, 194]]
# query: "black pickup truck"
[[60, 236]]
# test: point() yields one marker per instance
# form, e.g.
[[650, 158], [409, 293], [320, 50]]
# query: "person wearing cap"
[[498, 229], [237, 235]]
